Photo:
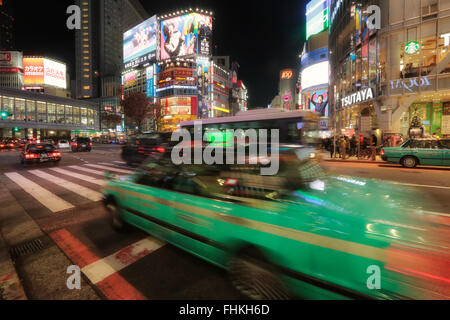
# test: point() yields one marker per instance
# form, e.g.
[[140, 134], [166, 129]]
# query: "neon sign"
[[287, 75]]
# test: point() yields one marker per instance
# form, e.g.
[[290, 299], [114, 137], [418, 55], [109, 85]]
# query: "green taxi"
[[299, 234], [419, 152]]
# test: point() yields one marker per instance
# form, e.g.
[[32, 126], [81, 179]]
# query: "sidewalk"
[[326, 157], [10, 285]]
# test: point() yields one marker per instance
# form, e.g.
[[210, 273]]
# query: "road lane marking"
[[120, 162], [100, 173], [102, 269], [419, 185], [106, 166], [80, 176], [114, 287], [75, 188], [45, 197]]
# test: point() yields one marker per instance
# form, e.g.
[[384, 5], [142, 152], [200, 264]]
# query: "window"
[[20, 109], [60, 111], [84, 118], [90, 117], [51, 112], [42, 111], [69, 116], [8, 106], [76, 115], [444, 144]]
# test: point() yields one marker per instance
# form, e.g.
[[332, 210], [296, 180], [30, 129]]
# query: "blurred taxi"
[[40, 153], [298, 234], [416, 152]]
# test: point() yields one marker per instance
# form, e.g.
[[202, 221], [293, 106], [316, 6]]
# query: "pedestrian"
[[353, 147], [343, 148]]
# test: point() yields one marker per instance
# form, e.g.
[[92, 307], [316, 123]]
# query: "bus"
[[295, 127]]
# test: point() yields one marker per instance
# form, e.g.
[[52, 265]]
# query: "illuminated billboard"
[[316, 17], [10, 61], [319, 102], [315, 75], [42, 71], [129, 79], [139, 44], [186, 35]]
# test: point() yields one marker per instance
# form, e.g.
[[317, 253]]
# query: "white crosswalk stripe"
[[45, 197], [75, 188], [80, 168], [79, 176], [106, 166]]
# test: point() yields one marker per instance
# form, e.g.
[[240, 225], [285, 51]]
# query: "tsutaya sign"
[[358, 97]]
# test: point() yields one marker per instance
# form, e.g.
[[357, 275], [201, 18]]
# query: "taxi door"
[[430, 153]]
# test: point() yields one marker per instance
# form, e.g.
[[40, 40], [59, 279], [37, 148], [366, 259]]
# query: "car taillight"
[[55, 154], [75, 144], [90, 144], [160, 150], [31, 156]]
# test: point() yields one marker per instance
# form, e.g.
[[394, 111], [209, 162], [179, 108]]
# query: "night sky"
[[264, 36]]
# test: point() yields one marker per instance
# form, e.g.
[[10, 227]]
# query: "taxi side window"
[[444, 144]]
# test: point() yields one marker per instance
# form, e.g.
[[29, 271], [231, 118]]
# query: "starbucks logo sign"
[[412, 47]]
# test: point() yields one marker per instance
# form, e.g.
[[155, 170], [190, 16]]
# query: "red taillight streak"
[[412, 272], [31, 156], [160, 150]]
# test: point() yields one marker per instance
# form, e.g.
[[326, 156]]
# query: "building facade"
[[389, 78], [35, 115], [99, 51], [7, 42], [11, 69]]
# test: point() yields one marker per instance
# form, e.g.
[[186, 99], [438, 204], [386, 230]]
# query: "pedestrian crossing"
[[61, 189]]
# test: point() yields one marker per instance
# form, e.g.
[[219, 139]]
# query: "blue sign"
[[150, 88]]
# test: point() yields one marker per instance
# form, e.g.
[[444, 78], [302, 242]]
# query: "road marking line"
[[80, 176], [419, 185], [114, 287], [76, 188], [120, 162], [105, 166], [100, 173], [45, 197], [102, 269]]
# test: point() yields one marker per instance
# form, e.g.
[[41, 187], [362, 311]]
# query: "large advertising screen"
[[315, 75], [41, 71], [319, 102], [316, 17], [33, 71], [185, 35], [10, 61], [139, 44]]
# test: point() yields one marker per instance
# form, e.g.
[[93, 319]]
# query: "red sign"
[[8, 70], [5, 56]]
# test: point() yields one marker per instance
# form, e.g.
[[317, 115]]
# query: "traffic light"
[[4, 114], [16, 129]]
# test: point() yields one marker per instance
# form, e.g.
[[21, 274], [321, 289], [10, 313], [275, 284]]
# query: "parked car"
[[291, 234], [80, 144], [140, 147], [63, 144], [39, 153], [414, 152]]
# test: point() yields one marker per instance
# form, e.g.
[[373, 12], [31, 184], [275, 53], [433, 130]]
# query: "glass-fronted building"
[[385, 78], [34, 115]]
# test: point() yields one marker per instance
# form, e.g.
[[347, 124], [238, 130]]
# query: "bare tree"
[[136, 106]]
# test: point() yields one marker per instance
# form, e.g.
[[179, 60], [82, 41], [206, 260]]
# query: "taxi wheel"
[[116, 220], [255, 279], [409, 162]]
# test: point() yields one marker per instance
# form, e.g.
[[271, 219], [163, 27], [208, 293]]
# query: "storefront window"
[[8, 106], [51, 113], [69, 116], [31, 110], [84, 118], [60, 110], [91, 117], [42, 111], [428, 48], [444, 28], [76, 115], [20, 109]]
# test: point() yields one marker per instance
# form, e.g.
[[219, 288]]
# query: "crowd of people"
[[348, 147]]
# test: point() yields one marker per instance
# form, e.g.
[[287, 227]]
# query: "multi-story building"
[[386, 78], [220, 91], [314, 61], [99, 50], [6, 26], [239, 98], [11, 69], [36, 115]]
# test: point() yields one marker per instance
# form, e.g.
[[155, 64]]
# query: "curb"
[[10, 285], [355, 161]]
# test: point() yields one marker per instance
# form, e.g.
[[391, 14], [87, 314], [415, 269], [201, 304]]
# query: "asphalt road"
[[60, 206]]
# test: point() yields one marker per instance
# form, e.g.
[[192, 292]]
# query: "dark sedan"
[[39, 153]]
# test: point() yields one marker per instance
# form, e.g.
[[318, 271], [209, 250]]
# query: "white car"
[[63, 144]]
